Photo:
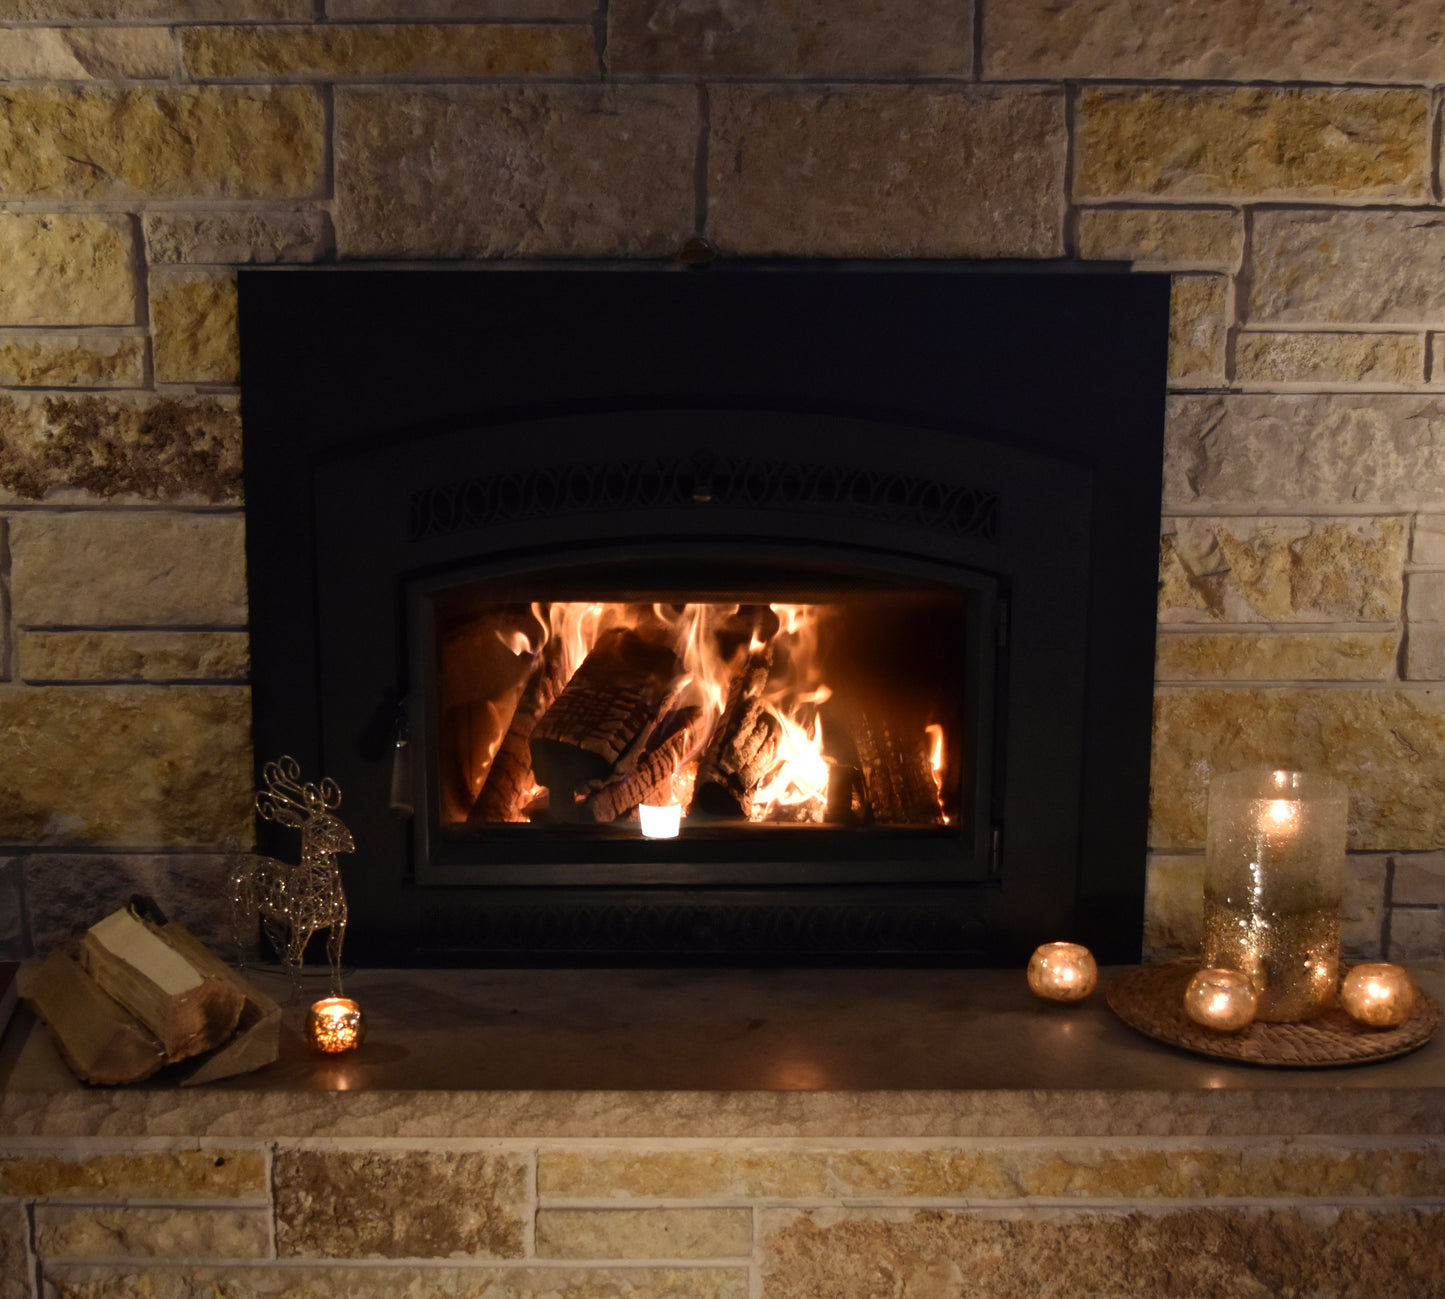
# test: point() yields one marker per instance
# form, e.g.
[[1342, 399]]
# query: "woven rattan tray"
[[1150, 998]]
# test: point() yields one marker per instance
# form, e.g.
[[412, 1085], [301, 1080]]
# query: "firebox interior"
[[766, 702]]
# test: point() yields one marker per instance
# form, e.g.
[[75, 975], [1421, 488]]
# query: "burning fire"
[[721, 708]]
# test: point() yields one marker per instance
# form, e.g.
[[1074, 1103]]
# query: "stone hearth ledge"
[[715, 1054]]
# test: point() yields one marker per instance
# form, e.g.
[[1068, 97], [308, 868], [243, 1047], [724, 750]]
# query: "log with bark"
[[744, 745], [613, 699], [511, 779]]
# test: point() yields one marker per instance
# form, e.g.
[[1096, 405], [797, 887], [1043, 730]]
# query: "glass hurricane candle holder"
[[335, 1024], [1223, 1000], [1272, 882], [1378, 994], [1062, 972]]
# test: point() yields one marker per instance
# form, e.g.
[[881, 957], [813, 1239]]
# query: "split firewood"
[[99, 1039], [744, 745], [257, 1040], [897, 775], [622, 688], [608, 799], [510, 779], [188, 1010]]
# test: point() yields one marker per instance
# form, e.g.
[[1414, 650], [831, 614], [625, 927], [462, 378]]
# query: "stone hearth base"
[[859, 1133]]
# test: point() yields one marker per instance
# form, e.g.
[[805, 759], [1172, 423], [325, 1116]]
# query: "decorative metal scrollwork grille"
[[703, 480]]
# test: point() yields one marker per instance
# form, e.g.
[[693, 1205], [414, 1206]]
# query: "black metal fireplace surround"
[[971, 453]]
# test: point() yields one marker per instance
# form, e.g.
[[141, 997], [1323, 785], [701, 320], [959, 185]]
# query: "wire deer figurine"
[[295, 902]]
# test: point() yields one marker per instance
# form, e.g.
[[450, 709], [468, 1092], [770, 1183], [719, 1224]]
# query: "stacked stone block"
[[724, 1217], [1276, 159]]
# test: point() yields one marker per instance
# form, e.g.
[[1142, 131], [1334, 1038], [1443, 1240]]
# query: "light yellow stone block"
[[1386, 745], [133, 656], [65, 142], [158, 10], [195, 326], [160, 768], [1252, 142], [1276, 656], [1164, 237], [361, 1281], [644, 1233], [128, 569], [137, 1175], [108, 1232], [54, 358], [1263, 1169], [1282, 570], [66, 270], [371, 51], [86, 53], [1197, 328], [1265, 356]]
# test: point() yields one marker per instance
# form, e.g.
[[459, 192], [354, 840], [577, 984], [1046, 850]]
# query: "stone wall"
[[725, 1218], [1279, 159]]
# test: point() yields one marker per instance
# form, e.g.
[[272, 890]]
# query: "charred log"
[[612, 700], [897, 775], [743, 748], [651, 773], [510, 779]]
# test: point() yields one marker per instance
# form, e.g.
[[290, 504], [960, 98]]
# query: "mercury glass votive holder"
[[1377, 994], [335, 1024], [1273, 876], [1062, 972]]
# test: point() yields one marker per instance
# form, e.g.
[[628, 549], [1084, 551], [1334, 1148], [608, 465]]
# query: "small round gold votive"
[[1379, 995], [1224, 1000], [1062, 972], [335, 1024]]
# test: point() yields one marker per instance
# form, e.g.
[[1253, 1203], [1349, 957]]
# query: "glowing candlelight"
[[335, 1024], [1062, 972], [660, 822], [1379, 995], [1224, 1000]]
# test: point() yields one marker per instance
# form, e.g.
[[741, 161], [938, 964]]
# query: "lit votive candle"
[[1062, 972], [1379, 995], [335, 1024], [1224, 1000], [660, 822]]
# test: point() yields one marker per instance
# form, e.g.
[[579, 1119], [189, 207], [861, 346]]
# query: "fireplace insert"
[[755, 614]]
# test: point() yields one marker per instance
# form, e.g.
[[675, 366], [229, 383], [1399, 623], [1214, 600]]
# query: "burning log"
[[651, 773], [897, 775], [510, 779], [744, 745], [612, 701]]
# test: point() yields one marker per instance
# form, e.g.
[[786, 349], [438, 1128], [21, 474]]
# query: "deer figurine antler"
[[294, 902]]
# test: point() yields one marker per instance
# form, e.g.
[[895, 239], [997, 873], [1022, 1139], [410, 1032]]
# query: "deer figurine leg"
[[335, 936]]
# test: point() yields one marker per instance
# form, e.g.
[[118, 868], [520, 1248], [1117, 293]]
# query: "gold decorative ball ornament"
[[335, 1024], [1379, 995], [1062, 972], [1224, 1000]]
